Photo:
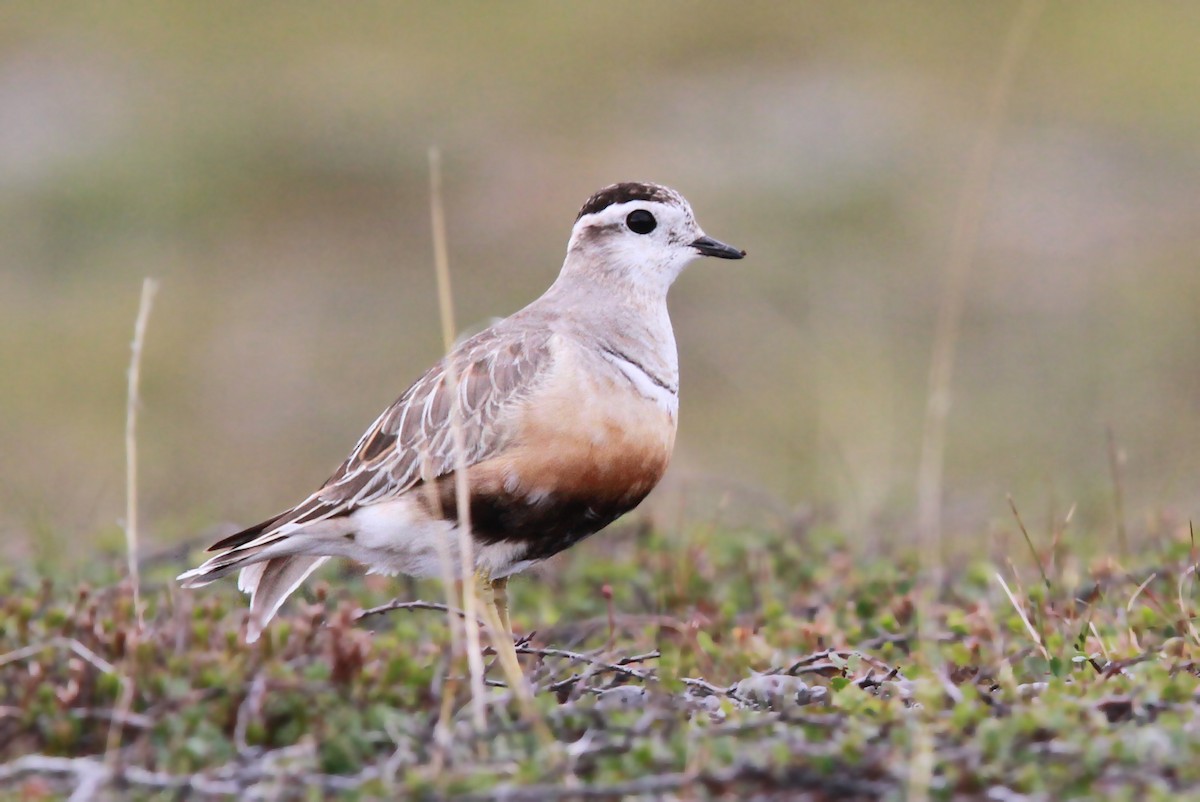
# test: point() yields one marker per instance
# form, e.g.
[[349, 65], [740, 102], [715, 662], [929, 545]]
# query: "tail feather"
[[269, 583], [246, 535], [268, 579], [272, 565], [221, 565]]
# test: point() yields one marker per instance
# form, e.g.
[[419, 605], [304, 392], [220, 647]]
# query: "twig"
[[25, 652], [654, 784], [231, 780], [768, 720], [594, 670], [621, 668], [708, 687], [250, 707], [91, 779], [742, 777], [639, 658], [397, 604], [124, 718], [579, 657]]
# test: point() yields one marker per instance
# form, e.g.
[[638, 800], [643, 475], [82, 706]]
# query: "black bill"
[[707, 246]]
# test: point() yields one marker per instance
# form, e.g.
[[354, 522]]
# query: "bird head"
[[642, 233]]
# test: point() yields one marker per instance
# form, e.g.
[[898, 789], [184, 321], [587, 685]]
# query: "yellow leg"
[[494, 594], [500, 601]]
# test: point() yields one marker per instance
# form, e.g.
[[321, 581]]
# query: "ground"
[[694, 665]]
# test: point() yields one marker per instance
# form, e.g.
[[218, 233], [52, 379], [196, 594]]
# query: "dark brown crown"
[[623, 193]]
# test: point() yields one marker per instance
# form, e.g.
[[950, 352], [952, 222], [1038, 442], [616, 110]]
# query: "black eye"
[[641, 221]]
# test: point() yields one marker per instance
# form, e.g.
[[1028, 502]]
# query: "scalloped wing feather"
[[413, 440]]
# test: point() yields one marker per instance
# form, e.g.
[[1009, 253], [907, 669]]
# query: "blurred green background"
[[267, 161]]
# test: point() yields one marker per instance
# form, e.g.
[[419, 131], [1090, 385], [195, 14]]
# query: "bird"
[[566, 415]]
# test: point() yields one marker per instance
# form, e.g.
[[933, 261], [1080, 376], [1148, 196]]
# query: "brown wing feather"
[[413, 441]]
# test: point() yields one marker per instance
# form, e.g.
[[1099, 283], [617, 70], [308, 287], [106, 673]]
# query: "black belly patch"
[[546, 526]]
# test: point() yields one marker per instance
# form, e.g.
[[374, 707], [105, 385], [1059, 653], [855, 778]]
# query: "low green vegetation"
[[705, 664]]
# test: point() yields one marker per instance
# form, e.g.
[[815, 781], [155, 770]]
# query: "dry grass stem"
[[1029, 542], [1114, 464], [1138, 591], [462, 491], [1184, 609], [471, 604], [112, 744], [1129, 608], [1190, 573], [1033, 633], [132, 402], [1104, 650], [1060, 529], [963, 238], [921, 765], [959, 260]]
